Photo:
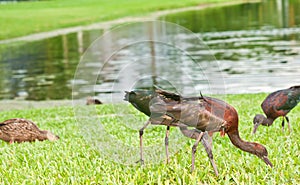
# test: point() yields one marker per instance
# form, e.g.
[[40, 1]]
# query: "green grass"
[[19, 19], [76, 159]]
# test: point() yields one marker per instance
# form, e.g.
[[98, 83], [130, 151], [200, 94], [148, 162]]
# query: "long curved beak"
[[267, 161], [255, 127]]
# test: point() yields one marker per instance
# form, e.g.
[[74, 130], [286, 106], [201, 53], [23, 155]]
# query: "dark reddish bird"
[[21, 130], [142, 100], [277, 104], [207, 115]]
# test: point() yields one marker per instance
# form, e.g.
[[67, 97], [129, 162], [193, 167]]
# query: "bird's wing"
[[19, 123], [168, 95], [9, 121], [192, 113], [19, 130], [293, 98], [9, 124]]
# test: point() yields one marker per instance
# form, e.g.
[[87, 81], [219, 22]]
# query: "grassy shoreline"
[[25, 18], [75, 159]]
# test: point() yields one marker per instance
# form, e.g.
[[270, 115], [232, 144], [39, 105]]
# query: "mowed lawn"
[[19, 19], [84, 155]]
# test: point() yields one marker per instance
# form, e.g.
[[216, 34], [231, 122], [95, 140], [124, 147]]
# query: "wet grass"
[[19, 19], [84, 155]]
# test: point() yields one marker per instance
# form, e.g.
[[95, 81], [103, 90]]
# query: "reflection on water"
[[255, 61], [257, 47], [42, 69], [154, 56]]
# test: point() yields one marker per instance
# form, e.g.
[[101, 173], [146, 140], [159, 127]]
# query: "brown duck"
[[21, 130], [92, 101]]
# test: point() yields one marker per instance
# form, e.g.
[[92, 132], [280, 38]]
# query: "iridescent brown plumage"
[[277, 104], [141, 100], [21, 130], [207, 115]]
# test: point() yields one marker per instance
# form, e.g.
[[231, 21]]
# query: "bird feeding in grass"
[[141, 100], [207, 115], [149, 103], [92, 101], [21, 130], [277, 104]]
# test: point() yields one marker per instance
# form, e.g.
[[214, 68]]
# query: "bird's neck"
[[267, 121], [43, 135], [239, 143]]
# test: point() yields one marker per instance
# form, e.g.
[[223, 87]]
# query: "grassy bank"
[[74, 159], [19, 19]]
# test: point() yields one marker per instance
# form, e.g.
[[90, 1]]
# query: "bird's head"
[[129, 95], [258, 120], [262, 153], [138, 95], [89, 100], [51, 136], [140, 99]]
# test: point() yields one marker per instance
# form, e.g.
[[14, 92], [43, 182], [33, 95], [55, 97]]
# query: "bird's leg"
[[207, 143], [167, 137], [194, 148], [167, 143], [141, 132], [288, 121], [282, 124]]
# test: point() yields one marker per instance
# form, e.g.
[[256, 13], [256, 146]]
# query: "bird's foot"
[[141, 161]]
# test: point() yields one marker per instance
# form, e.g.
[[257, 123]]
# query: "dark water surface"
[[42, 69], [257, 45], [243, 48]]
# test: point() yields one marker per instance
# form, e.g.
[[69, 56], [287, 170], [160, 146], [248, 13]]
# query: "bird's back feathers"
[[190, 111], [20, 130]]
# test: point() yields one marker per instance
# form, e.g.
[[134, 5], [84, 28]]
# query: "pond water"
[[257, 45], [43, 69], [246, 48]]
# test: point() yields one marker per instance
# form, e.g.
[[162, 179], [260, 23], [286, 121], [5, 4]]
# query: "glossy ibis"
[[21, 130], [207, 115], [277, 104], [142, 100]]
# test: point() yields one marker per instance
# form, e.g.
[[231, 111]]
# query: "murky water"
[[42, 69], [257, 45], [234, 49]]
